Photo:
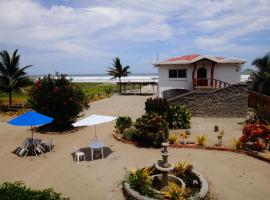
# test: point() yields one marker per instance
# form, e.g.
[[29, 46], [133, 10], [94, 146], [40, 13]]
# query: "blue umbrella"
[[31, 118]]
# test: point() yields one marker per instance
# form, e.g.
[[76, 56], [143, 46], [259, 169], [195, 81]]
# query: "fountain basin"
[[156, 182]]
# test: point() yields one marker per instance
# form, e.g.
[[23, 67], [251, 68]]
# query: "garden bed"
[[257, 155]]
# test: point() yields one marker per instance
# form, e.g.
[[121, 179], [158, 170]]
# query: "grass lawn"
[[94, 91]]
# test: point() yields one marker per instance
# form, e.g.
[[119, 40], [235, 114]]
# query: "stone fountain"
[[161, 181]]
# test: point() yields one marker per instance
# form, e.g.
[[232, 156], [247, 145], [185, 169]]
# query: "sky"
[[83, 36]]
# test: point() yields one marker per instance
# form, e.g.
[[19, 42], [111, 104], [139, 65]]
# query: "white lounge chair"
[[38, 148], [78, 154], [22, 146], [24, 150], [49, 145]]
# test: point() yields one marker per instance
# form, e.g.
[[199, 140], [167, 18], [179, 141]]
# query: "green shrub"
[[18, 191], [59, 98], [140, 181], [178, 117], [130, 133], [122, 123], [156, 105], [152, 130]]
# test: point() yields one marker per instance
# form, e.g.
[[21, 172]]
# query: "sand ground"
[[231, 176]]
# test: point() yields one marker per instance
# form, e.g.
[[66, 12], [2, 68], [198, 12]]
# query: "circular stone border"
[[194, 146], [131, 194]]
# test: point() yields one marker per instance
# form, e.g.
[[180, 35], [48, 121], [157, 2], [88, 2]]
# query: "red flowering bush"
[[258, 134], [59, 98]]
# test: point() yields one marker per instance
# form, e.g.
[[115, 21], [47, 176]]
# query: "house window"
[[182, 73], [177, 73], [173, 73]]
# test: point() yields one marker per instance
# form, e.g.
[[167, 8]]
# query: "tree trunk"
[[10, 97], [120, 85]]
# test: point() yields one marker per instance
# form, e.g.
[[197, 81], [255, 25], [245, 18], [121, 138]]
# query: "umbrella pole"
[[32, 132], [95, 132]]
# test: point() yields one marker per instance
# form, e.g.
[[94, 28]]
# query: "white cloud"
[[95, 28]]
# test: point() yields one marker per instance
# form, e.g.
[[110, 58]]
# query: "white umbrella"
[[94, 120]]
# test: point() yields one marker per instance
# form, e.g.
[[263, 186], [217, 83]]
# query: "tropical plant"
[[220, 137], [140, 180], [236, 144], [173, 139], [178, 117], [19, 191], [129, 133], [261, 78], [201, 140], [152, 130], [12, 77], [122, 123], [156, 105], [58, 98], [182, 168], [118, 71], [258, 134], [175, 192]]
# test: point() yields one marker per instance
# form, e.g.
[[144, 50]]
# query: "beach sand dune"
[[231, 176]]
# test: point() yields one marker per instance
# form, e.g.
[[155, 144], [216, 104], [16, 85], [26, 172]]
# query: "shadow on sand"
[[86, 150]]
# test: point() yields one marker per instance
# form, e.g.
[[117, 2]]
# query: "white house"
[[189, 72]]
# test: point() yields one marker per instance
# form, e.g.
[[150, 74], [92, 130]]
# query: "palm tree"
[[118, 71], [12, 77], [261, 78]]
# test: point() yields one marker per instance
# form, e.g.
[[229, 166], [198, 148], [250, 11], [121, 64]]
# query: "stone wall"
[[231, 101]]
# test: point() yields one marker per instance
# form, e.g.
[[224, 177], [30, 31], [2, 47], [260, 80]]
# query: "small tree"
[[59, 98], [12, 77], [118, 71], [261, 78]]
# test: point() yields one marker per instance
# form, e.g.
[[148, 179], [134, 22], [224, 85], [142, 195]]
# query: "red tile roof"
[[189, 57]]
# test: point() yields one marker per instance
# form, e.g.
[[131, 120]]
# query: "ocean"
[[104, 78]]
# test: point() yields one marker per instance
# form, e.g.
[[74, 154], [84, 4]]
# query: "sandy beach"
[[231, 176]]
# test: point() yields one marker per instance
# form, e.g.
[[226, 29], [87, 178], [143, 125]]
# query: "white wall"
[[224, 72], [228, 73], [166, 83]]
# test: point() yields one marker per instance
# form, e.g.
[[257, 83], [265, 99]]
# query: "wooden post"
[[140, 88]]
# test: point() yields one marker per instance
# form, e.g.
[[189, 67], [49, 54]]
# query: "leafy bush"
[[152, 130], [122, 123], [156, 105], [201, 140], [178, 117], [59, 98], [18, 191], [140, 181], [130, 133], [258, 134]]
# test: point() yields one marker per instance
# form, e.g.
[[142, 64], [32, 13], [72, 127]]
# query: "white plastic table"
[[96, 144]]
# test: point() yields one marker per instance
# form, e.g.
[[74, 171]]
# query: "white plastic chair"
[[49, 145], [78, 154]]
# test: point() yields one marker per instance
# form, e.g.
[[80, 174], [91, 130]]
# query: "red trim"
[[212, 73], [193, 75]]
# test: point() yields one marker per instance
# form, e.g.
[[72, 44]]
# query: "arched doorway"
[[202, 77]]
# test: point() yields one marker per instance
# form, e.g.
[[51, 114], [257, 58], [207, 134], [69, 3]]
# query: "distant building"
[[186, 73]]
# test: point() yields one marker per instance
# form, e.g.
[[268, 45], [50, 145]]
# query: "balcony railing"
[[209, 83]]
